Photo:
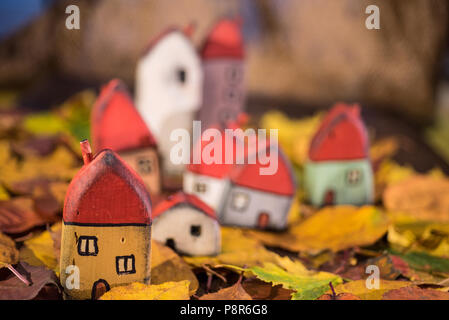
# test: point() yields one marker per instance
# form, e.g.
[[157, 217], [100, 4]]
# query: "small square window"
[[200, 187], [87, 246], [144, 166], [353, 176], [195, 230], [125, 264], [239, 201]]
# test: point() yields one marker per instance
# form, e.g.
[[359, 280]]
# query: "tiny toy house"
[[187, 224], [239, 194], [223, 63], [117, 125], [169, 82], [339, 170], [106, 229], [260, 201]]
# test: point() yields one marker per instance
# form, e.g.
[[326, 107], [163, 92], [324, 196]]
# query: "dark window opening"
[[171, 244], [125, 264], [195, 231], [200, 187], [144, 166], [87, 246], [181, 75]]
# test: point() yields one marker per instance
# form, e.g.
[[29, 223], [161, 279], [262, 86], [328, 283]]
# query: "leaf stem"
[[18, 275]]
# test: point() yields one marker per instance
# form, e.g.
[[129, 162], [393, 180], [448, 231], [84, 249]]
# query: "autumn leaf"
[[18, 215], [43, 249], [360, 289], [39, 277], [167, 266], [334, 228], [415, 293], [8, 252], [420, 197], [139, 291], [234, 292], [261, 290], [237, 249], [307, 284]]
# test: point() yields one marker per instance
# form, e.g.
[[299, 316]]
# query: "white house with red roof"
[[260, 201], [187, 224], [169, 81]]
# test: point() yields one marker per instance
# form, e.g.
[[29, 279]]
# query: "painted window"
[[195, 230], [240, 201], [144, 165], [200, 187], [87, 246], [125, 264], [181, 75], [234, 74], [353, 176]]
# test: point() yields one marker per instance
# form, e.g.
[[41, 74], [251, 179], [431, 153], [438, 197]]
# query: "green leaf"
[[309, 285], [425, 262]]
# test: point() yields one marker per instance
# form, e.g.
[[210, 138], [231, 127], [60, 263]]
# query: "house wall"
[[150, 178], [276, 206], [112, 242], [332, 175], [224, 91], [176, 224], [216, 189]]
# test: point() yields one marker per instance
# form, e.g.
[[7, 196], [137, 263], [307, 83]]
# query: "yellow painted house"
[[106, 227]]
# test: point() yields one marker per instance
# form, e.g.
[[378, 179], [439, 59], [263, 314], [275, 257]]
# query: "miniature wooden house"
[[260, 201], [339, 170], [117, 125], [169, 82], [188, 225], [223, 63], [106, 231]]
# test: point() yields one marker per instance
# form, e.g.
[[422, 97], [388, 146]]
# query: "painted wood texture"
[[106, 226], [169, 83], [117, 125], [223, 60], [187, 224], [339, 170]]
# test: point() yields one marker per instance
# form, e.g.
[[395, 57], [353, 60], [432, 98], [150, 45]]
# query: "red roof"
[[224, 41], [106, 191], [216, 170], [116, 123], [341, 136], [183, 198], [282, 182]]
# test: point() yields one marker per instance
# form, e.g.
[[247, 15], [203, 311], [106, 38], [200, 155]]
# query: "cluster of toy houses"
[[108, 220]]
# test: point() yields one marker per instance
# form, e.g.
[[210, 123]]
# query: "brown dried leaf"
[[18, 215], [415, 293], [261, 290], [14, 289], [235, 292]]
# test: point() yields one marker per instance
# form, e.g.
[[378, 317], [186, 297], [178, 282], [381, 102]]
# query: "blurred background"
[[302, 56]]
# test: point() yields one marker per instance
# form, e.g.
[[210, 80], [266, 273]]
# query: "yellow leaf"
[[167, 266], [8, 251], [237, 249], [139, 291], [234, 292], [43, 249], [359, 288], [333, 228], [294, 135], [421, 197]]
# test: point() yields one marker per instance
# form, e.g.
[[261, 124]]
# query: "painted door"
[[263, 220], [99, 288]]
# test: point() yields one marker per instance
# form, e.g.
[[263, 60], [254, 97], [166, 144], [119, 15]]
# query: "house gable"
[[107, 192], [116, 123]]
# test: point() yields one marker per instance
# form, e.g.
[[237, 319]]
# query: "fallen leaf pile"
[[325, 253]]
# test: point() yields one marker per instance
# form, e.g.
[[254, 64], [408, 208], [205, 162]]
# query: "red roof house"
[[341, 136], [187, 224]]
